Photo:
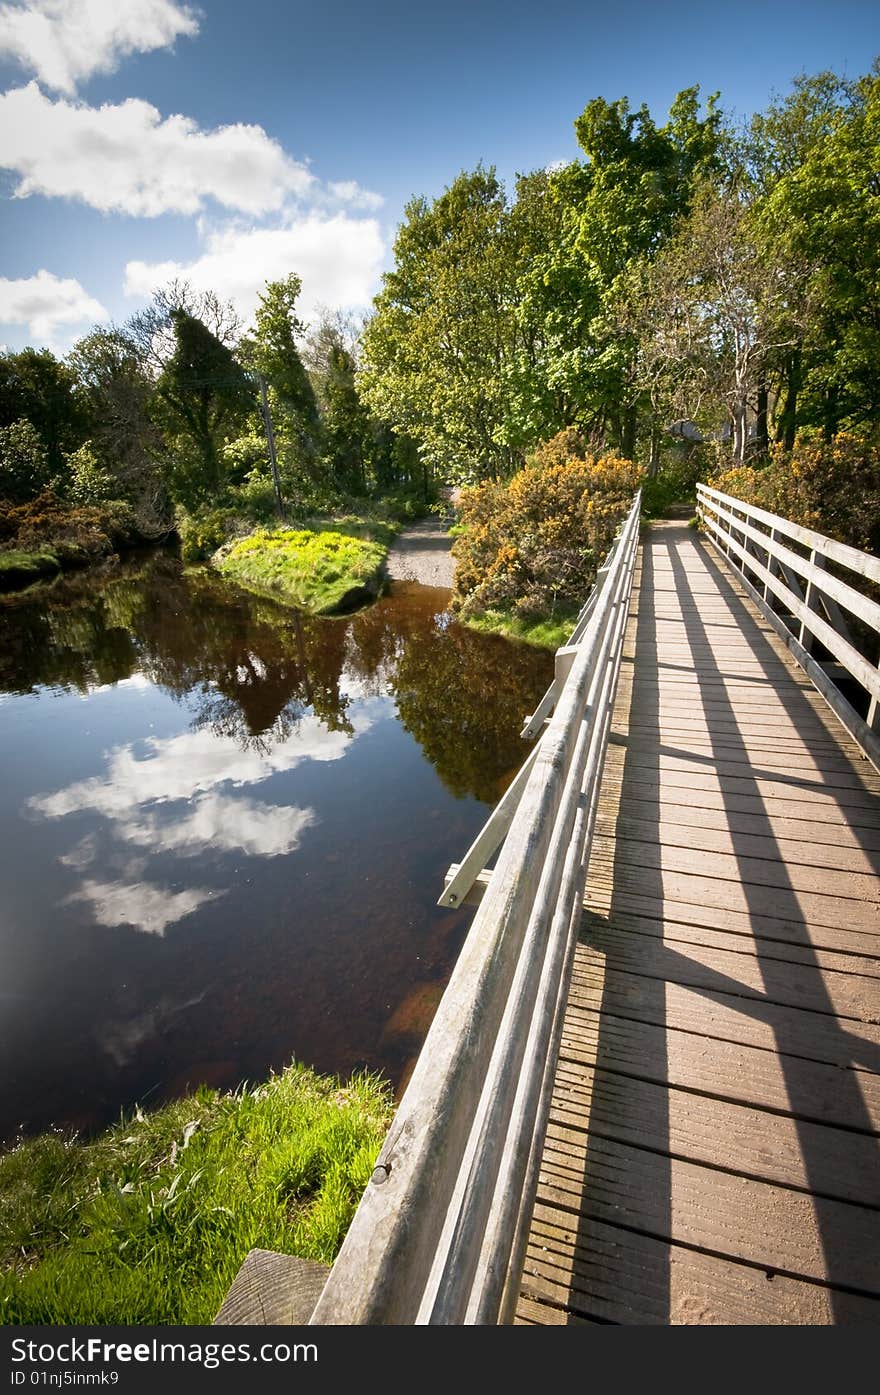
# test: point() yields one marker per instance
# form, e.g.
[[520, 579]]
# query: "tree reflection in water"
[[251, 669], [197, 894]]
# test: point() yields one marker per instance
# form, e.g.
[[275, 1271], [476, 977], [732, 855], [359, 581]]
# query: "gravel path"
[[421, 553]]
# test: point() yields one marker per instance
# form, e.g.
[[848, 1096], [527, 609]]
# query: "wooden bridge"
[[651, 1093], [712, 1148]]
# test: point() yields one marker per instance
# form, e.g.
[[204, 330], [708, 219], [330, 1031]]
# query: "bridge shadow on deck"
[[718, 1164]]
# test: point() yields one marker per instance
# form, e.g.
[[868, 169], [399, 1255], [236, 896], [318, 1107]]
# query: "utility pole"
[[270, 441]]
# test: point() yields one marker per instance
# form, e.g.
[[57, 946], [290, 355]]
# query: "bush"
[[831, 486], [88, 481], [534, 546], [202, 533], [75, 533], [24, 462]]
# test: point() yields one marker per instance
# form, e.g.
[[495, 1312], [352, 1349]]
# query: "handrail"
[[440, 1233], [814, 603]]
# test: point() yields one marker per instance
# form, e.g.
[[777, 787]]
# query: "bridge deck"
[[712, 1153]]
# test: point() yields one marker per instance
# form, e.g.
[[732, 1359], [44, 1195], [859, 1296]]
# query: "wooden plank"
[[531, 1313], [770, 870], [273, 1289], [598, 1270], [678, 934], [682, 1202], [812, 908], [790, 985], [858, 805], [613, 903], [728, 1016], [734, 1137], [684, 795], [757, 844], [795, 832], [733, 1071], [735, 762]]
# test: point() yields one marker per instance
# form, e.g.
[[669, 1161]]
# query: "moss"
[[325, 573], [150, 1221], [21, 568], [544, 632]]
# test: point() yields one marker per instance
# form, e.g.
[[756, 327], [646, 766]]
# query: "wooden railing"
[[441, 1231], [813, 591]]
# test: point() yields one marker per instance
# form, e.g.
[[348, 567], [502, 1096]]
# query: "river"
[[224, 828]]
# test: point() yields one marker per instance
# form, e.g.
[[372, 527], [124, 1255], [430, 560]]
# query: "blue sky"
[[231, 142]]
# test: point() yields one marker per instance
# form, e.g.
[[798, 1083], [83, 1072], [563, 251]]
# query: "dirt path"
[[421, 553]]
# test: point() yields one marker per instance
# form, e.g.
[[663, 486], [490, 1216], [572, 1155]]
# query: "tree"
[[619, 208], [711, 314], [203, 397], [151, 330], [24, 462], [271, 353], [35, 385], [437, 347], [114, 380], [823, 209]]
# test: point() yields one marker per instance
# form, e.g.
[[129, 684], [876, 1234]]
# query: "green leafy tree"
[[824, 210], [24, 462], [116, 383], [35, 385], [202, 398], [619, 206], [712, 313], [271, 352], [436, 350]]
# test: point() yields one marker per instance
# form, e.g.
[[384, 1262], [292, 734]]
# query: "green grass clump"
[[546, 633], [150, 1222], [21, 568], [323, 573]]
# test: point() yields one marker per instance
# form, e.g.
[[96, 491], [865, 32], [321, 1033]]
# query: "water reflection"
[[231, 855]]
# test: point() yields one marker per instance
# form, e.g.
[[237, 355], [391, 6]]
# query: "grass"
[[149, 1222], [21, 568], [322, 572], [545, 632]]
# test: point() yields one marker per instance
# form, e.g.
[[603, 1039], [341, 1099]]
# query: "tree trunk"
[[739, 433], [763, 437], [829, 413], [787, 422], [654, 461], [628, 433]]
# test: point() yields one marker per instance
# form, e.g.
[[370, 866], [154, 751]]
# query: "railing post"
[[805, 636], [770, 543]]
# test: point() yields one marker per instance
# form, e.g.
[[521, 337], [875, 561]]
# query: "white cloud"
[[66, 41], [338, 257], [180, 767], [227, 825], [45, 303], [128, 159], [148, 908]]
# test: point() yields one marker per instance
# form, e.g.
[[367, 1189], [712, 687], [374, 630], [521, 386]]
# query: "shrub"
[[89, 482], [534, 546], [24, 462], [74, 532], [202, 533], [832, 486]]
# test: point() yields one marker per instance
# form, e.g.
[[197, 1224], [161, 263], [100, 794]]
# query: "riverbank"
[[47, 536], [149, 1222]]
